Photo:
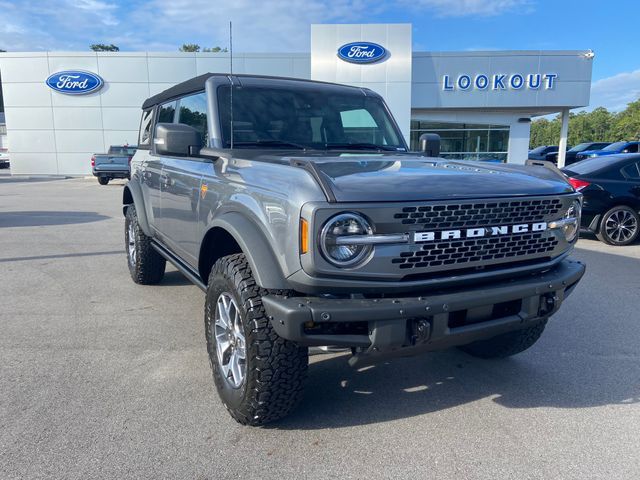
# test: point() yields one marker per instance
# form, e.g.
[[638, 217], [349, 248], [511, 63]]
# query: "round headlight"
[[334, 240], [571, 228]]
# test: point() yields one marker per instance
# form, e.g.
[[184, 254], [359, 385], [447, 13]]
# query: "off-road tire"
[[507, 344], [103, 180], [147, 268], [604, 236], [275, 368]]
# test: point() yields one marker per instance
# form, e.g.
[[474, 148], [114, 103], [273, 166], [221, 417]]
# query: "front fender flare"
[[255, 246], [132, 194]]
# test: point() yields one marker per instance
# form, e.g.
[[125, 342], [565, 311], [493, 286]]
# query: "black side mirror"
[[177, 139], [430, 144]]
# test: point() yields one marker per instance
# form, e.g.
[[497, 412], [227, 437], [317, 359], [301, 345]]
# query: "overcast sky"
[[609, 28]]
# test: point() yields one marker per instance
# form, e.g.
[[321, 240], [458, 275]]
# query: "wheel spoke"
[[240, 349], [226, 370], [234, 363], [223, 344], [222, 313]]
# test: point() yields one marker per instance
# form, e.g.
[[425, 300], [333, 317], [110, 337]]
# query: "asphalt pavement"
[[102, 378]]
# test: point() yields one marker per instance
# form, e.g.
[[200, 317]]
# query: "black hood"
[[391, 177]]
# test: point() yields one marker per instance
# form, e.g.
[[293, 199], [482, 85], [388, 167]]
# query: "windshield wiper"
[[360, 146], [271, 143]]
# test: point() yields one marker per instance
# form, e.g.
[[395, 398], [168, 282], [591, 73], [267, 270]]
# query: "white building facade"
[[481, 103]]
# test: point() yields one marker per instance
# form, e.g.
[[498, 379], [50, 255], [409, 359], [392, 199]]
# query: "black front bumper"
[[384, 327]]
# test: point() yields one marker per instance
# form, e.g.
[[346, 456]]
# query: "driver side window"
[[360, 127]]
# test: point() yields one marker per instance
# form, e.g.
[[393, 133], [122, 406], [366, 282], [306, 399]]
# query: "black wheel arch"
[[132, 195], [234, 233]]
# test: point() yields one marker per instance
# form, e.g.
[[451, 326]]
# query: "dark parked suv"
[[297, 208]]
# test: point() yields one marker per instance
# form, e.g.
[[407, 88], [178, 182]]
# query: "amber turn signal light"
[[304, 236]]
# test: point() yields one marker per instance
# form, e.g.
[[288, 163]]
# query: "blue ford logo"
[[75, 82], [362, 52]]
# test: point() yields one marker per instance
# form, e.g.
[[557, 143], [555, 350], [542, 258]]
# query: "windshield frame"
[[386, 127]]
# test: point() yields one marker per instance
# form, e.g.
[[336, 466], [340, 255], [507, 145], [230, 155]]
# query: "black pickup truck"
[[297, 207]]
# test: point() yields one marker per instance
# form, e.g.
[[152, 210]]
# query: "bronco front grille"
[[473, 214], [457, 253]]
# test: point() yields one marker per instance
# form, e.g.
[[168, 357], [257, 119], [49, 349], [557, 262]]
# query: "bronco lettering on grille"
[[479, 232]]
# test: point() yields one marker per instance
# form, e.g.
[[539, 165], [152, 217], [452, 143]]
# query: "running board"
[[185, 269]]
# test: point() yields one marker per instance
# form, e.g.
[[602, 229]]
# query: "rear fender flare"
[[132, 194]]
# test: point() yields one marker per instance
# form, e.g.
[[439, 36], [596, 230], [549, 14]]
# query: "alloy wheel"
[[621, 226], [131, 244], [230, 340]]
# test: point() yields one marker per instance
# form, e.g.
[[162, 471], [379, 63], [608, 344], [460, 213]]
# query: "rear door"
[[631, 173], [181, 182]]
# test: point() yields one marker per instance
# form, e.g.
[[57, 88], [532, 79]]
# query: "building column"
[[519, 135], [564, 132]]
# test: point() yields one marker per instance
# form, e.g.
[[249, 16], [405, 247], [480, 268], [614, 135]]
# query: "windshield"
[[277, 117], [615, 146], [583, 146]]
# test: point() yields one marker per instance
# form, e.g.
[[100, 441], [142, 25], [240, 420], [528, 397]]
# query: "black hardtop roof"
[[197, 84]]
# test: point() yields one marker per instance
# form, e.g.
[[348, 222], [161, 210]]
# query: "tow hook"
[[421, 330], [548, 303]]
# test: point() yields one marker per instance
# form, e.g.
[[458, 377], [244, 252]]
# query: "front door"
[[181, 185]]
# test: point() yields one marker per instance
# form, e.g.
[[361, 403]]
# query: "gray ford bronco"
[[296, 206]]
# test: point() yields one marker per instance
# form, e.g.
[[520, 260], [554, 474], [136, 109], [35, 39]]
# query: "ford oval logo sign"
[[75, 82], [362, 52]]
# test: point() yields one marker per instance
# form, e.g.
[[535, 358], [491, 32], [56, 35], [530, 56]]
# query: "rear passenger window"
[[145, 129], [632, 172], [193, 112], [166, 112]]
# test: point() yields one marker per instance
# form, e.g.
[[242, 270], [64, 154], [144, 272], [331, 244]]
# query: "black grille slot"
[[474, 214], [457, 253]]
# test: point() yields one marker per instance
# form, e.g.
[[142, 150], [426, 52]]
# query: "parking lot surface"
[[102, 378]]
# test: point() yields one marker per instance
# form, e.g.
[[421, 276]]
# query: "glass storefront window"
[[465, 141]]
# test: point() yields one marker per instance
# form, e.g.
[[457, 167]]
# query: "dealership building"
[[480, 103]]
